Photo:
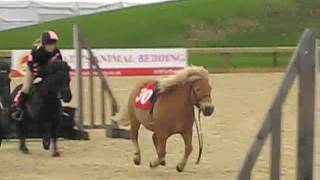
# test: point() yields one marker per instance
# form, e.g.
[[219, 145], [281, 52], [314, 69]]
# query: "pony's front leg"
[[53, 133], [187, 137], [22, 132], [161, 151], [46, 136]]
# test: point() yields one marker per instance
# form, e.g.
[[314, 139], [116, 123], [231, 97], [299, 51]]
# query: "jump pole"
[[77, 47]]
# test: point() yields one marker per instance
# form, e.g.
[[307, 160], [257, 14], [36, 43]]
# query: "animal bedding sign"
[[118, 62]]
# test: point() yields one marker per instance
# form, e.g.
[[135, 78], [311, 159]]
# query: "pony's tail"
[[123, 117]]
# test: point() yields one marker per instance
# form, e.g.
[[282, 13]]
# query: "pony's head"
[[57, 81], [201, 92], [198, 79]]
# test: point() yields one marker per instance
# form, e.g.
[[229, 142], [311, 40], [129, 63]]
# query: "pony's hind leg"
[[155, 143], [187, 137], [161, 151], [134, 130], [22, 132]]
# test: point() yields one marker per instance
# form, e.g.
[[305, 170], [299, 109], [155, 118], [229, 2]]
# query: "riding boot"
[[20, 106]]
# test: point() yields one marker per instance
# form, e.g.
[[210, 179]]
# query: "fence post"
[[306, 113], [275, 59], [91, 95], [103, 106], [226, 60], [77, 47], [275, 117], [316, 171]]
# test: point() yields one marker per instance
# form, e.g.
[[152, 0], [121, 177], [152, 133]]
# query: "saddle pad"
[[144, 99]]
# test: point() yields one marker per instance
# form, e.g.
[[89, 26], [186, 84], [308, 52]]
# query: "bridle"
[[198, 99], [198, 121]]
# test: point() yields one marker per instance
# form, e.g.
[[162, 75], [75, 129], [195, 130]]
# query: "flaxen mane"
[[183, 76]]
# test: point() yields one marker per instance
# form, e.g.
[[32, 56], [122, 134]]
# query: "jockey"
[[44, 51]]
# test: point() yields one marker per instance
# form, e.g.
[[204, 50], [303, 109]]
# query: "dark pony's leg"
[[1, 131], [53, 135], [45, 129], [22, 133], [1, 135]]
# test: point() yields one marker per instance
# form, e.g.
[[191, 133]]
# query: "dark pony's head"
[[57, 80]]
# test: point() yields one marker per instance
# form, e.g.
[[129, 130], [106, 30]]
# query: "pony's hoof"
[[137, 161], [46, 144], [24, 150], [55, 154], [153, 165], [163, 163], [179, 168]]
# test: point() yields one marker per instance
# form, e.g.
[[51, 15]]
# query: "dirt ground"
[[241, 101]]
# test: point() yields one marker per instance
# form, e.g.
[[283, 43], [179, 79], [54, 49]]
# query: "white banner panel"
[[118, 61]]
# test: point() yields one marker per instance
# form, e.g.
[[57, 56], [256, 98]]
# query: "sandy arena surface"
[[241, 101]]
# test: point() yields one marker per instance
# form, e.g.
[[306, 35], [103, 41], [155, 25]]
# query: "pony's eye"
[[197, 89]]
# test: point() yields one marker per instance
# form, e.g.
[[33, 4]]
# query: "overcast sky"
[[105, 1]]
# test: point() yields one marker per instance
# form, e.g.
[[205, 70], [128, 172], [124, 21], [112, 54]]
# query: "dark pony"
[[44, 107]]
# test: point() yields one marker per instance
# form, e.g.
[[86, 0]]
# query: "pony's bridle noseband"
[[198, 99]]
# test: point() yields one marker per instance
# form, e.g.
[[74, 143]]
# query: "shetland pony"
[[172, 112], [43, 106]]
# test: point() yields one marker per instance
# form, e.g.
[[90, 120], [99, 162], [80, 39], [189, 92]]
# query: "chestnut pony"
[[173, 112]]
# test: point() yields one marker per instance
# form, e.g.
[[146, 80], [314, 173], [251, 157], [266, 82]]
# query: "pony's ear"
[[193, 78]]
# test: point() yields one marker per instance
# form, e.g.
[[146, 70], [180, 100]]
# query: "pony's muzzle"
[[65, 95], [207, 109]]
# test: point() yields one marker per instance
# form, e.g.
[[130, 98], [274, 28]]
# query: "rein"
[[200, 135], [199, 127]]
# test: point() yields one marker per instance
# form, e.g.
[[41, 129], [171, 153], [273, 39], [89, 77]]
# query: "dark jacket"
[[39, 57]]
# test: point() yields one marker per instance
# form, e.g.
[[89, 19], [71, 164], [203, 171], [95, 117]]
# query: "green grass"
[[238, 60], [184, 23], [187, 23]]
